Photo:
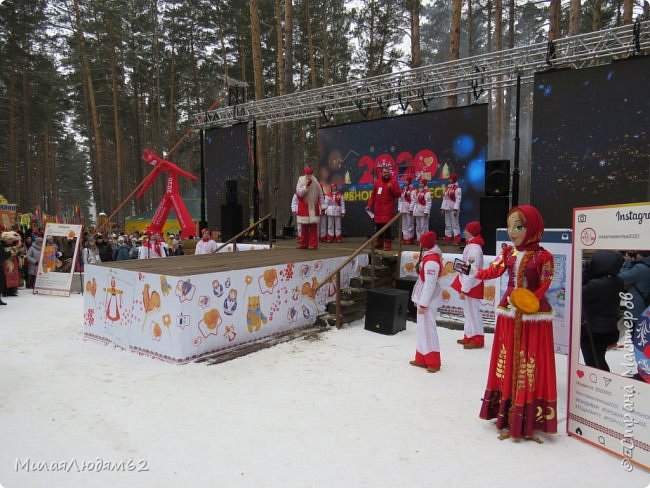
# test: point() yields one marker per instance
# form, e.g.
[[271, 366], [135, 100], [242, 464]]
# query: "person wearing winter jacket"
[[33, 257], [601, 289], [90, 253], [122, 251]]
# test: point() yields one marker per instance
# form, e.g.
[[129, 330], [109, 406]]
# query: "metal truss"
[[475, 76]]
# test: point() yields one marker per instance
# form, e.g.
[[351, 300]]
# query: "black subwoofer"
[[386, 310]]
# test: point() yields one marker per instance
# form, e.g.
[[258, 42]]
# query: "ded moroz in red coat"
[[382, 199]]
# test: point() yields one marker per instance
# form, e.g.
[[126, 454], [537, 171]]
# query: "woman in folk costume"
[[521, 388], [310, 197], [450, 209], [422, 208], [335, 210], [405, 207], [426, 296], [471, 289]]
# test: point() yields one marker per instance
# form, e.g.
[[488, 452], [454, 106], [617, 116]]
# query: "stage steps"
[[353, 299]]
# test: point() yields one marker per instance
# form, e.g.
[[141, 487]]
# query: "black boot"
[[2, 303]]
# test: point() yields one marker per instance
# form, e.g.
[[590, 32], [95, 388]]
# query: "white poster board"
[[558, 243], [610, 410], [59, 254]]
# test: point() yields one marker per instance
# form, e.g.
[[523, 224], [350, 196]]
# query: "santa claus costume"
[[471, 289], [422, 209], [310, 196], [382, 202], [405, 207], [521, 388], [426, 295], [335, 210], [450, 209]]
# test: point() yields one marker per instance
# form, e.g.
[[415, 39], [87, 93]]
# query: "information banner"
[[558, 243], [610, 409], [59, 253]]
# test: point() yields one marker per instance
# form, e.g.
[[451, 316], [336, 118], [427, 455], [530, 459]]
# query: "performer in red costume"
[[471, 289], [382, 203], [426, 296], [450, 209], [521, 388], [422, 208], [171, 198], [310, 196]]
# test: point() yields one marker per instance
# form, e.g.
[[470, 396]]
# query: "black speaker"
[[493, 213], [497, 177], [232, 220], [386, 310], [231, 191], [407, 283]]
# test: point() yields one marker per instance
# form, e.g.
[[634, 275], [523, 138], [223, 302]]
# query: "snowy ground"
[[345, 409]]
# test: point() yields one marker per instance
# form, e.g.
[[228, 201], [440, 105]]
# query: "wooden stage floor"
[[283, 251]]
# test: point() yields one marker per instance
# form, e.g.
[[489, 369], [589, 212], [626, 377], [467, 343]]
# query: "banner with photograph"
[[59, 253], [558, 243], [609, 404], [7, 215]]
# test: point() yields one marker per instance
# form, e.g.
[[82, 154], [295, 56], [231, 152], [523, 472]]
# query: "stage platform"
[[182, 308]]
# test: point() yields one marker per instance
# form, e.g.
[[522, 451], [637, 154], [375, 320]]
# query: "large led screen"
[[590, 138], [430, 145]]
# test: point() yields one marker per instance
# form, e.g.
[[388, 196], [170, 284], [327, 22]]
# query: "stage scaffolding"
[[473, 77]]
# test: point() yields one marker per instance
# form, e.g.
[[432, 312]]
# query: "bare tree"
[[454, 44], [574, 17]]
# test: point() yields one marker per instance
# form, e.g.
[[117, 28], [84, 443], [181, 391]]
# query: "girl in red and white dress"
[[521, 388], [450, 209], [405, 207], [426, 296], [422, 209], [335, 210], [471, 289]]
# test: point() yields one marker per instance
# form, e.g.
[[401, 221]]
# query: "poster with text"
[[609, 401], [59, 253]]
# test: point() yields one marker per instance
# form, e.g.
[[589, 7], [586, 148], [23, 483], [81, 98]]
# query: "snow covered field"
[[343, 408]]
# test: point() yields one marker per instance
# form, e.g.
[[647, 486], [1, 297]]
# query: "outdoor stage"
[[181, 308]]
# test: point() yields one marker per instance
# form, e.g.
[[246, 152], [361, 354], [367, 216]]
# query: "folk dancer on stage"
[[422, 208], [470, 289], [450, 209], [310, 198], [426, 296], [322, 224], [521, 388], [382, 202], [335, 210], [405, 206]]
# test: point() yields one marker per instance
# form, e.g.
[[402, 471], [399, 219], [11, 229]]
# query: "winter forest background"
[[86, 85]]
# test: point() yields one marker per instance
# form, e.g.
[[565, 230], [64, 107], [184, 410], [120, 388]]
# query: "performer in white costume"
[[471, 289], [405, 206], [426, 296], [450, 209], [335, 210], [422, 209]]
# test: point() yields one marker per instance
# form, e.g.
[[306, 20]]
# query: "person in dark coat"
[[105, 249], [601, 289]]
